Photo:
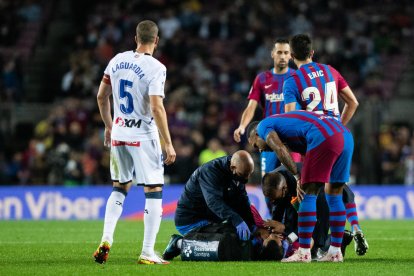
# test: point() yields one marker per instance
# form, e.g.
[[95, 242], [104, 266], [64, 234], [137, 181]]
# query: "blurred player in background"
[[136, 80], [315, 87], [267, 90]]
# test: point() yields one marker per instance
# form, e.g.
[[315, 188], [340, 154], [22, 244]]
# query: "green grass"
[[66, 247]]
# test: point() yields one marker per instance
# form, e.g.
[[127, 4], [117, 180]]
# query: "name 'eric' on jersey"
[[134, 77], [315, 87]]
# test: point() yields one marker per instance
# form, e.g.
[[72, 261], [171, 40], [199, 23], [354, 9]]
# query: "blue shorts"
[[184, 229], [330, 161], [342, 167], [268, 161]]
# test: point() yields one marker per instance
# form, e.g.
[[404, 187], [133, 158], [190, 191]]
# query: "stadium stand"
[[212, 51]]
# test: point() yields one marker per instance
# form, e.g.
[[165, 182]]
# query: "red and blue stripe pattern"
[[271, 87], [306, 220], [337, 218], [303, 81], [296, 126], [352, 215]]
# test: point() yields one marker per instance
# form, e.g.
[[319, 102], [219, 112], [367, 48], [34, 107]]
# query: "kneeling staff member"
[[215, 193]]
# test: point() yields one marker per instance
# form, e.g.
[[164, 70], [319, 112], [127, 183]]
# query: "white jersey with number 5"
[[134, 77]]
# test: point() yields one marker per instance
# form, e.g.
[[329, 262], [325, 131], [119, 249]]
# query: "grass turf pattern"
[[66, 248]]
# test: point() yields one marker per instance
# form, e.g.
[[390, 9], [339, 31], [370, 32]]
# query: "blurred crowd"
[[15, 17], [212, 51], [396, 142]]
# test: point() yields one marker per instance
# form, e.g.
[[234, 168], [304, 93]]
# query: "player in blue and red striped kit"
[[316, 87], [328, 146], [267, 91]]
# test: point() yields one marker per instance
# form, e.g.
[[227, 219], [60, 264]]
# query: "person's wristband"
[[297, 177]]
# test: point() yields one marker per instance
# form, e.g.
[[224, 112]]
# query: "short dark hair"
[[301, 46], [251, 127], [271, 252], [146, 31], [271, 181], [282, 40]]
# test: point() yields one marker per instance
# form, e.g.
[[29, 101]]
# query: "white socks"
[[152, 221], [112, 213]]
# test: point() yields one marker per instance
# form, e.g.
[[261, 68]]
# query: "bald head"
[[274, 186], [271, 182], [242, 164]]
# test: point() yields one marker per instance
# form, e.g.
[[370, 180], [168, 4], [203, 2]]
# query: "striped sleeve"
[[290, 91], [255, 91], [341, 81]]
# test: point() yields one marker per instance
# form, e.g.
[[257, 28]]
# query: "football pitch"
[[66, 247]]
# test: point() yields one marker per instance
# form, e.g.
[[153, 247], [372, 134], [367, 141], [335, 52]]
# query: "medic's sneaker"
[[101, 254], [172, 249]]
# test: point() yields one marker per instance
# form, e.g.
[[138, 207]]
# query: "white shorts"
[[142, 158]]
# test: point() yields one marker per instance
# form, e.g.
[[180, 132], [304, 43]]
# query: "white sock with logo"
[[112, 213], [152, 221]]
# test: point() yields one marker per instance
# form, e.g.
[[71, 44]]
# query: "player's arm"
[[351, 104], [209, 182], [104, 104], [290, 107], [245, 210], [274, 142], [160, 117], [246, 118], [290, 94]]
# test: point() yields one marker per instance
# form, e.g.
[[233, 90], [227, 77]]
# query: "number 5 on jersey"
[[128, 107]]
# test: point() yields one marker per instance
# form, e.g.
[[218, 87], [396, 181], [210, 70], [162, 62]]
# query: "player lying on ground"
[[265, 245], [268, 243]]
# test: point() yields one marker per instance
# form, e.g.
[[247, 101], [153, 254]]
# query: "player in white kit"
[[136, 81]]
